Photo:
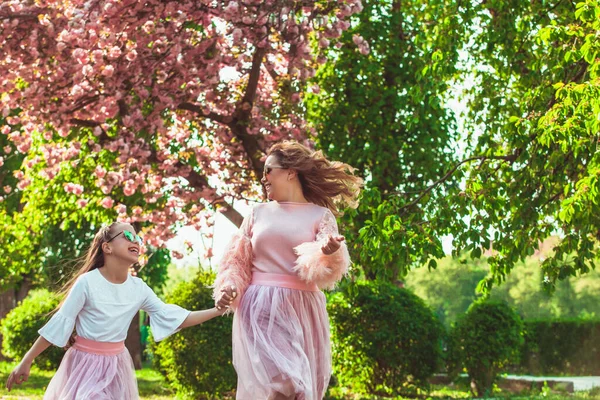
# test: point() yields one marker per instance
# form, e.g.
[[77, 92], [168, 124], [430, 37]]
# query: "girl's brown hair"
[[93, 259], [330, 184]]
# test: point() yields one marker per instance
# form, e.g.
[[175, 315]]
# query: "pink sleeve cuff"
[[313, 266], [235, 268]]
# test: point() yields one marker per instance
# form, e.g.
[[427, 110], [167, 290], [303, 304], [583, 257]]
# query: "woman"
[[285, 252]]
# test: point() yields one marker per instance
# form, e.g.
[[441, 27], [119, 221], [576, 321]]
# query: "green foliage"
[[20, 326], [561, 347], [486, 340], [155, 272], [528, 80], [197, 361], [385, 114], [533, 106], [385, 339], [451, 289]]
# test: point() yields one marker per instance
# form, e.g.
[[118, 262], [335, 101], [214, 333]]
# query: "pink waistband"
[[282, 280], [100, 348]]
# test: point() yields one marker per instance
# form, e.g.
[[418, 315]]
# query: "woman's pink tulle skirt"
[[94, 371], [281, 347]]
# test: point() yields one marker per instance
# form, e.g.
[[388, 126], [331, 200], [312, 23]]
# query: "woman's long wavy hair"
[[93, 259], [330, 184]]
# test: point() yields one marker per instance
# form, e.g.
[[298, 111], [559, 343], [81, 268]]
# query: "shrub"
[[20, 328], [197, 360], [384, 338], [561, 347], [487, 339]]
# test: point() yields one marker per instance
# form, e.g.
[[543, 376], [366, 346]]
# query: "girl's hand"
[[19, 375], [333, 244], [227, 297]]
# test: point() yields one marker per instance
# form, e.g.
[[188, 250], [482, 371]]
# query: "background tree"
[[387, 114], [528, 73]]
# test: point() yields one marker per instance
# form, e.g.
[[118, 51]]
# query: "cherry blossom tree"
[[155, 111]]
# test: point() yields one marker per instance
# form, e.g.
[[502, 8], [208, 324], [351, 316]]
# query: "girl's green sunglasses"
[[129, 236]]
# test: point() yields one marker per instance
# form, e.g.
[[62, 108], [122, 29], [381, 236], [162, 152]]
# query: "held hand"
[[227, 297], [333, 244], [19, 375]]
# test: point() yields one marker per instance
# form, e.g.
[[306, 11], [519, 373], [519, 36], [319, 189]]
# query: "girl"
[[102, 300], [284, 253]]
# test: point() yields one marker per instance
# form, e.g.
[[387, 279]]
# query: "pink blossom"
[[107, 202], [324, 42], [113, 178], [237, 34], [108, 71], [148, 27], [87, 70], [100, 171], [23, 184], [131, 56], [121, 209], [129, 190], [80, 55], [82, 203], [73, 188], [114, 52], [177, 254], [77, 91], [7, 189]]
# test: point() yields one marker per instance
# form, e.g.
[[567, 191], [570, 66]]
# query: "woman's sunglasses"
[[270, 168], [129, 236]]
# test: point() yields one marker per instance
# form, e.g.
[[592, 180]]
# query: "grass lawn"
[[153, 387], [151, 384]]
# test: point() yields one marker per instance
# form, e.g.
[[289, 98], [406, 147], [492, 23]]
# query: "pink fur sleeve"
[[235, 268], [314, 266]]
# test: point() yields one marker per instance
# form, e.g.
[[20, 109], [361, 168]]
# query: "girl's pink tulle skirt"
[[281, 347], [94, 371]]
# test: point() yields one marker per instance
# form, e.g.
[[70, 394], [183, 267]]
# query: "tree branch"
[[198, 110], [510, 158]]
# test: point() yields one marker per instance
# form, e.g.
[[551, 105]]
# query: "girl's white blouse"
[[102, 311]]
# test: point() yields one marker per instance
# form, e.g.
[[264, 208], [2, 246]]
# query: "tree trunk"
[[24, 288], [134, 342], [7, 303]]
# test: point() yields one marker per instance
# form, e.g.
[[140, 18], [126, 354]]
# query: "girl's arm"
[[199, 317], [21, 373]]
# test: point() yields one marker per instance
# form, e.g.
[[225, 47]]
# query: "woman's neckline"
[[294, 202]]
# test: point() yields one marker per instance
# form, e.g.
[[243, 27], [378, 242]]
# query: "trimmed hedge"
[[385, 340], [563, 347], [486, 340], [197, 360], [20, 328]]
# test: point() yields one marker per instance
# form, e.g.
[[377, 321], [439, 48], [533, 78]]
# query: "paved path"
[[579, 382]]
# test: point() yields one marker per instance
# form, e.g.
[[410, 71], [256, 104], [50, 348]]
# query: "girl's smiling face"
[[125, 243]]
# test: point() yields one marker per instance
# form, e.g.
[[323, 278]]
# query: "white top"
[[102, 311]]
